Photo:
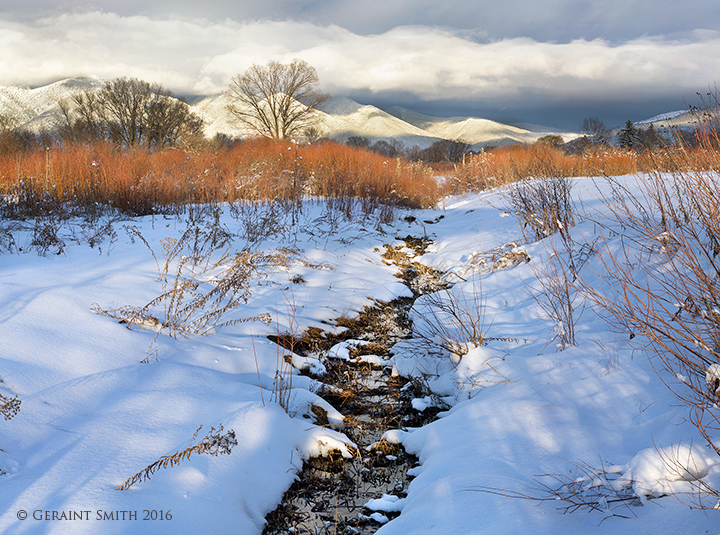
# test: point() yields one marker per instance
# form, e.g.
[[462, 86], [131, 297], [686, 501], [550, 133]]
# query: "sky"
[[549, 62]]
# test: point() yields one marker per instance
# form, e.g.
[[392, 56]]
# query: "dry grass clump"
[[201, 282], [383, 447], [373, 348], [501, 257], [198, 287], [584, 488], [421, 279], [543, 206], [9, 407], [452, 321], [380, 323]]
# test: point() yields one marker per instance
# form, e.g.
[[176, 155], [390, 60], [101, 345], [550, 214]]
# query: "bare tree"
[[277, 100], [82, 117], [446, 150], [169, 120], [129, 112], [13, 137], [595, 130], [123, 107]]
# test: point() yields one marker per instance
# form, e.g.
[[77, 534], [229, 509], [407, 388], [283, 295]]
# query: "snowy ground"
[[93, 414]]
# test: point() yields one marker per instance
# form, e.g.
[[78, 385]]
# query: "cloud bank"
[[546, 20], [424, 63]]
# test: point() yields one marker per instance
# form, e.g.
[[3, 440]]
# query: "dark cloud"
[[553, 62], [547, 20], [566, 115]]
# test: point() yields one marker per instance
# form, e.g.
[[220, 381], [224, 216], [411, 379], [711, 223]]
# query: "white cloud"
[[199, 56]]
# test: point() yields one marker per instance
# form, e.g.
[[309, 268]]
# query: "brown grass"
[[140, 182]]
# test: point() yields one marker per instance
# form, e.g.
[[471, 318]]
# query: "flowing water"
[[330, 493]]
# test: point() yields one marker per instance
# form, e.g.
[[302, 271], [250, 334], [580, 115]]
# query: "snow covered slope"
[[673, 118], [216, 117], [339, 119], [38, 108], [343, 117], [97, 407]]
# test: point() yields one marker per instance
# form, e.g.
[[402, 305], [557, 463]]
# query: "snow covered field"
[[98, 406]]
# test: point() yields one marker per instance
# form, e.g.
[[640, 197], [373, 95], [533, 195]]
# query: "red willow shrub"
[[140, 182], [518, 162]]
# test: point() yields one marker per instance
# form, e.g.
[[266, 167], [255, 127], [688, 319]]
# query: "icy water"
[[330, 494]]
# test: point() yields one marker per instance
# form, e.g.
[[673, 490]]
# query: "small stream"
[[330, 493]]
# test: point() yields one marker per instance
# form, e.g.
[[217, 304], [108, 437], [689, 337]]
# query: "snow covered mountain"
[[38, 108], [673, 118], [341, 118], [474, 130]]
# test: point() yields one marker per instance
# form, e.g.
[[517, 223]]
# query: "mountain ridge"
[[340, 119]]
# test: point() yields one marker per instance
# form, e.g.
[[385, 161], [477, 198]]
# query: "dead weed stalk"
[[584, 488], [214, 443], [543, 206], [198, 291], [559, 294], [282, 384], [452, 320]]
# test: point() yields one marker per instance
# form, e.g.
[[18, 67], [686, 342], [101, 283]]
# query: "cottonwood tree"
[[595, 130], [360, 142], [81, 117], [129, 112], [169, 121], [446, 150], [136, 112], [390, 149], [13, 138], [553, 140], [277, 100]]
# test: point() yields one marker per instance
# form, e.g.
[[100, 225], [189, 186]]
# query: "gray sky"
[[551, 62]]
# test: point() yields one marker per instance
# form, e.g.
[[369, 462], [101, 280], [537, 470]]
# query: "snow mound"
[[656, 472]]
